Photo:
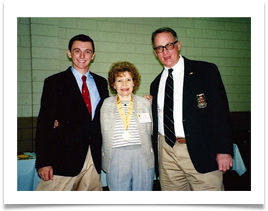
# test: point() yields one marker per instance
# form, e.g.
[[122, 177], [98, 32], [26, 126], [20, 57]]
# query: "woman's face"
[[124, 85]]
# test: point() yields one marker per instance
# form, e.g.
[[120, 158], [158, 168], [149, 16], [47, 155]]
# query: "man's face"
[[168, 57], [81, 55]]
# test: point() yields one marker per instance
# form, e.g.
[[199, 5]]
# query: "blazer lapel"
[[154, 92], [100, 86], [103, 92], [188, 86]]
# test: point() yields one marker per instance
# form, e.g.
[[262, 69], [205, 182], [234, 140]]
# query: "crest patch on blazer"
[[201, 101]]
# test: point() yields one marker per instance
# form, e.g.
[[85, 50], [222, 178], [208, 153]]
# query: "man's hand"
[[225, 162], [149, 97], [46, 173]]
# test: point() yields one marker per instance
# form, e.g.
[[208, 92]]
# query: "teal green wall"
[[42, 44]]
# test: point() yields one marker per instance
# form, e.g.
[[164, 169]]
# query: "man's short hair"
[[164, 29], [83, 38]]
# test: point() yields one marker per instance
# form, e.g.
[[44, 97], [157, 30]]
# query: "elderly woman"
[[126, 126]]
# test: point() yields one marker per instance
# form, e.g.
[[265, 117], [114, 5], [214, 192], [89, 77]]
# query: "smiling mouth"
[[82, 61], [167, 58], [124, 90]]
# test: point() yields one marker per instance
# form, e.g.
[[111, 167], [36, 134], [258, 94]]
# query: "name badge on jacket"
[[201, 101], [144, 117]]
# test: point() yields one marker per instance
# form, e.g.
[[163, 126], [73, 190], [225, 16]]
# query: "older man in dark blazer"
[[68, 137], [195, 145]]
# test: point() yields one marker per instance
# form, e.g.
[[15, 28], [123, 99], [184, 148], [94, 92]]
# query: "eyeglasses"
[[169, 46]]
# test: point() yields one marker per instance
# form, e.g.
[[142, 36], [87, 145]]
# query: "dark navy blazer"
[[65, 147], [207, 128]]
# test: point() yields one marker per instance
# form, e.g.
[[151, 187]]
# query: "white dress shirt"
[[178, 76]]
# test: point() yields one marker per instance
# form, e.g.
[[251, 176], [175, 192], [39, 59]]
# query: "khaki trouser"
[[87, 180], [177, 172]]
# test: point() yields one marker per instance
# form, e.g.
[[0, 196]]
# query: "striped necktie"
[[168, 111]]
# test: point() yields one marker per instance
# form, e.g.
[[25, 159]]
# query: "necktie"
[[85, 94], [168, 111]]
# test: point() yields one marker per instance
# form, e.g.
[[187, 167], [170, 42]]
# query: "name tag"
[[144, 117]]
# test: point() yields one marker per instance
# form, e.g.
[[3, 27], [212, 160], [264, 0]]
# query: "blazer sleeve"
[[221, 118], [45, 123]]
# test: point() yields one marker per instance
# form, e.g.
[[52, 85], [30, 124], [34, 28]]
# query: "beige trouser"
[[177, 172], [87, 180]]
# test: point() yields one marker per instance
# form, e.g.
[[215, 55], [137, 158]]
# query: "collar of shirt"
[[177, 68], [78, 77]]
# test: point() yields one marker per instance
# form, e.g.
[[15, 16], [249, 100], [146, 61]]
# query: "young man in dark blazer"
[[68, 137], [199, 148]]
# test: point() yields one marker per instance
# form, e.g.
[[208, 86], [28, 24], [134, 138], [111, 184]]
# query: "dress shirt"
[[92, 88], [178, 76]]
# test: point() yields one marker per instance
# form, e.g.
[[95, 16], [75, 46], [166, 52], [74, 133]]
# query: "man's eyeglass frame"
[[169, 46]]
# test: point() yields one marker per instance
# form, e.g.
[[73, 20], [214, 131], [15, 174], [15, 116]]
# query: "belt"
[[181, 140], [178, 139]]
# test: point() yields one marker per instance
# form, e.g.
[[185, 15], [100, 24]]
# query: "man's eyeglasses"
[[169, 46]]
